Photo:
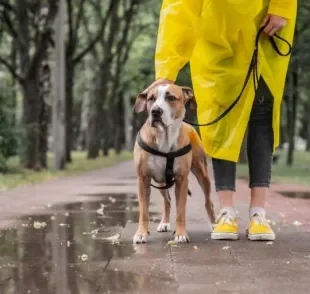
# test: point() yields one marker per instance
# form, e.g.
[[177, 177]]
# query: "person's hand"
[[157, 83], [274, 24]]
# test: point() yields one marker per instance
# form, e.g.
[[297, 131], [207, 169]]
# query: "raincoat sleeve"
[[284, 8], [177, 35]]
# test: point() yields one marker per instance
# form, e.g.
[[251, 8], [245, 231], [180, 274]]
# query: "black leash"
[[252, 69], [170, 156]]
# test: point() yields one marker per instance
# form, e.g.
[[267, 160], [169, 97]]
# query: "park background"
[[69, 74]]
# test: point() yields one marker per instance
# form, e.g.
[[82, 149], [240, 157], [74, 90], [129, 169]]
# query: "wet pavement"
[[74, 236]]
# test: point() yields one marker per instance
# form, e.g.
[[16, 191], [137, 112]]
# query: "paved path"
[[49, 242]]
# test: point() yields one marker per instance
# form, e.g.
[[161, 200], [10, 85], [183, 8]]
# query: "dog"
[[165, 131]]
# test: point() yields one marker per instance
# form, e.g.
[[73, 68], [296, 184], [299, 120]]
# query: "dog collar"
[[170, 156]]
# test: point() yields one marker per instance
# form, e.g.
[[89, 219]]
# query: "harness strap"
[[170, 156], [253, 69]]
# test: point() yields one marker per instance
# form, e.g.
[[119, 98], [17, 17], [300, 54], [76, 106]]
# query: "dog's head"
[[165, 104]]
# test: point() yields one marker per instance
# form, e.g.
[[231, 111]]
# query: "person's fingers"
[[273, 30], [268, 28], [157, 83], [265, 21], [154, 84]]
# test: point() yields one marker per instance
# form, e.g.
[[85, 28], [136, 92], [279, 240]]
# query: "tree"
[[29, 24]]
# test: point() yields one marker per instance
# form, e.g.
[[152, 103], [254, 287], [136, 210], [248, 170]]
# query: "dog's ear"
[[189, 97], [140, 104]]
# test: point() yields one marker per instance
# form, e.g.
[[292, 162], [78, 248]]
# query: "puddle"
[[53, 252], [303, 195]]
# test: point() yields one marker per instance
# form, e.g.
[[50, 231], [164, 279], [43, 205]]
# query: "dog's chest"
[[157, 164]]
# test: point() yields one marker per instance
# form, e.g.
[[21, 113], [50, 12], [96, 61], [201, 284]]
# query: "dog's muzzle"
[[156, 115]]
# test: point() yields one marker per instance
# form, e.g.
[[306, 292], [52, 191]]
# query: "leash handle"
[[253, 68]]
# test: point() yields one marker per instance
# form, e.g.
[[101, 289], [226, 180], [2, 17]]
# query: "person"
[[218, 39]]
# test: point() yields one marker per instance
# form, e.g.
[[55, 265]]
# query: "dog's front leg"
[[144, 190], [181, 188], [164, 225]]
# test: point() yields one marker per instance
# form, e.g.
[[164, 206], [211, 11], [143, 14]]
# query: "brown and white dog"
[[165, 131]]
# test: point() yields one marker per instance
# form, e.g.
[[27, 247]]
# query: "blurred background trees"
[[109, 51]]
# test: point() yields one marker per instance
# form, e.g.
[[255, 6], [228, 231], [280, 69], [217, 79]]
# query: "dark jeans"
[[259, 146]]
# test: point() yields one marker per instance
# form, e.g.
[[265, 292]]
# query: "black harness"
[[253, 70], [170, 156]]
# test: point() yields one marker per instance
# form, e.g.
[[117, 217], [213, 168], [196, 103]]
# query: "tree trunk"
[[308, 129], [108, 132], [292, 118], [43, 139], [96, 121], [69, 106], [94, 124], [31, 123], [127, 122]]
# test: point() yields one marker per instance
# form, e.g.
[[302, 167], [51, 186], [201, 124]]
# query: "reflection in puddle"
[[303, 195], [52, 252]]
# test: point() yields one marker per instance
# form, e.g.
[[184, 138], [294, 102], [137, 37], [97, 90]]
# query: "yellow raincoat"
[[218, 38]]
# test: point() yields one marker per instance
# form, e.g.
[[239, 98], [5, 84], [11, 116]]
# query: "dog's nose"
[[157, 111]]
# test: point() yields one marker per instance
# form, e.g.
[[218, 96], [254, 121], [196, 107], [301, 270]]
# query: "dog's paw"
[[140, 238], [181, 238], [163, 227]]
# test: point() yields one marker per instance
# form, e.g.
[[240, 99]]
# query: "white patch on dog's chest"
[[157, 164]]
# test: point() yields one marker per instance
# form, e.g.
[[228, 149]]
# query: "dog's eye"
[[171, 98], [152, 98]]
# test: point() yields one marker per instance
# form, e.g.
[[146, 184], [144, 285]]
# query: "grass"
[[18, 176], [299, 173]]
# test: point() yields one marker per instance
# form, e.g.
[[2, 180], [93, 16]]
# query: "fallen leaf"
[[53, 217], [288, 262], [297, 223], [282, 214], [113, 200], [225, 247], [172, 242], [84, 257], [308, 256], [68, 243], [39, 225], [269, 243], [63, 225], [67, 214], [195, 247], [100, 210]]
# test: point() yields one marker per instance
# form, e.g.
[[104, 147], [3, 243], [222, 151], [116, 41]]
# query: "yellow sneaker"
[[259, 229], [225, 227]]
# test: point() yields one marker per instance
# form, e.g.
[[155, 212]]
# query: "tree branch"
[[44, 38], [12, 70], [79, 18], [10, 25], [97, 38], [70, 22], [7, 6]]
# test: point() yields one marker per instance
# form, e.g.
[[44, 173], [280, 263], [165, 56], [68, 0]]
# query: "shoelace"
[[260, 219], [224, 218]]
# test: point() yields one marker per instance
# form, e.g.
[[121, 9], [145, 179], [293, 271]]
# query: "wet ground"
[[74, 237]]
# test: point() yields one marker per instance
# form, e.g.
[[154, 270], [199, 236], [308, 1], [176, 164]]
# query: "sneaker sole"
[[224, 236], [261, 237]]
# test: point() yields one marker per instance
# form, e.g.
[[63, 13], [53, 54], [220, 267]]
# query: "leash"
[[170, 156], [253, 69]]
